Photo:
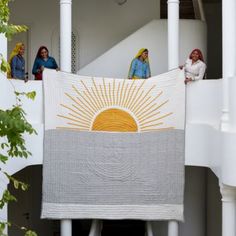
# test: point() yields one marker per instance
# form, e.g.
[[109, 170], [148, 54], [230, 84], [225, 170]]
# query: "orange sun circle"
[[115, 120]]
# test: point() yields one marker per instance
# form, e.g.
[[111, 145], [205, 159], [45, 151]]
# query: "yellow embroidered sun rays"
[[114, 106]]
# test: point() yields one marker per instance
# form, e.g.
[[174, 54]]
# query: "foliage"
[[6, 198], [5, 27], [17, 184], [4, 66], [30, 233], [13, 123], [2, 227]]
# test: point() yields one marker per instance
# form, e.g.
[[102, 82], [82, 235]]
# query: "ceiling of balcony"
[[210, 1], [186, 8]]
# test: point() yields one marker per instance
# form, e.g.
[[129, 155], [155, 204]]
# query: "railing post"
[[228, 210], [173, 228], [66, 228]]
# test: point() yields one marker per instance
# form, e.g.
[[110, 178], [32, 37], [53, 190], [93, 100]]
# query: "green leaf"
[[30, 233], [25, 154], [3, 145], [31, 95], [2, 228], [3, 158], [2, 225], [24, 187], [6, 198], [16, 184], [5, 67], [17, 93]]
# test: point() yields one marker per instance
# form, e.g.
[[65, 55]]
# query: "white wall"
[[3, 51], [100, 24], [203, 137], [115, 62], [34, 111]]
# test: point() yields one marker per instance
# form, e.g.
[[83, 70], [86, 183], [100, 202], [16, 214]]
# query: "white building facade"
[[100, 38]]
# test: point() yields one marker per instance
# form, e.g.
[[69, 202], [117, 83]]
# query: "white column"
[[173, 34], [229, 54], [228, 119], [65, 35], [173, 62], [228, 210], [66, 228], [65, 65]]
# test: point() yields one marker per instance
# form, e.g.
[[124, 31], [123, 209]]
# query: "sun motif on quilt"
[[114, 106]]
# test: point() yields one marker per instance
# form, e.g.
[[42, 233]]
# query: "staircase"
[[186, 9]]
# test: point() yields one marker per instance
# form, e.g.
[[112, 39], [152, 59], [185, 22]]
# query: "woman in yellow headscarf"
[[17, 62], [139, 67]]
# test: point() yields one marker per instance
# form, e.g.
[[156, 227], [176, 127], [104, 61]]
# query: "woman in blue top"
[[139, 68], [43, 60], [17, 63]]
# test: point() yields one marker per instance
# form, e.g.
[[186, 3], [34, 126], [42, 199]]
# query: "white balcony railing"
[[202, 122]]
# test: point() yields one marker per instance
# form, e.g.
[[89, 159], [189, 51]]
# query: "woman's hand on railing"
[[187, 80]]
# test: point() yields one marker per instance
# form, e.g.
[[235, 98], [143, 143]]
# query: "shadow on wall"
[[116, 61]]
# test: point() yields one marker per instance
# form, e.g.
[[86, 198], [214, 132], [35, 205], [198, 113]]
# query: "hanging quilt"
[[113, 148]]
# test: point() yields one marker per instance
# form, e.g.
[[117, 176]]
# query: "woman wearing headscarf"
[[43, 60], [194, 66], [17, 62], [140, 68]]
